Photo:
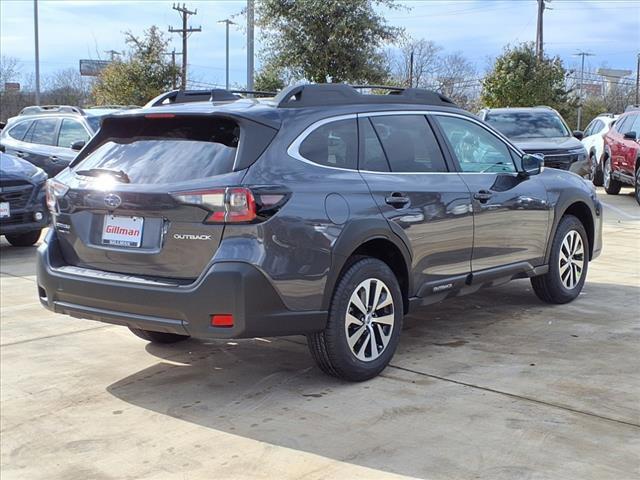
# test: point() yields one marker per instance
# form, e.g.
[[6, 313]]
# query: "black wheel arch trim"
[[356, 234]]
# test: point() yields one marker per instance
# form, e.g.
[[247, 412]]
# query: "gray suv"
[[324, 212], [50, 136]]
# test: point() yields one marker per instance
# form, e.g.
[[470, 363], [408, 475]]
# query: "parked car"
[[622, 154], [23, 211], [324, 212], [541, 130], [593, 142], [51, 136]]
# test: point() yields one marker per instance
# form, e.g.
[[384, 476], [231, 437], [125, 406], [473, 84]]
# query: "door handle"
[[21, 154], [483, 195], [54, 158], [397, 200]]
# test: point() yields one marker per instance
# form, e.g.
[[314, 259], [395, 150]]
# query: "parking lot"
[[493, 385]]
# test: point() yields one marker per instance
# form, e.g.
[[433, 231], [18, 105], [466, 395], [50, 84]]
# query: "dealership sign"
[[92, 68]]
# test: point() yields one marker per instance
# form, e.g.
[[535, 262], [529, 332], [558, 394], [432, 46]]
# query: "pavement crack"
[[516, 396], [17, 276], [29, 340]]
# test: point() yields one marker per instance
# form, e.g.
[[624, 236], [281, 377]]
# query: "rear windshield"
[[165, 150], [528, 124]]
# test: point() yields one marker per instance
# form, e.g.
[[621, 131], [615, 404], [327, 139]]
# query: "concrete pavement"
[[495, 385]]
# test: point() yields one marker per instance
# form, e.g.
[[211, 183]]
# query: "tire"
[[158, 337], [637, 186], [563, 284], [611, 185], [24, 239], [331, 349], [597, 172]]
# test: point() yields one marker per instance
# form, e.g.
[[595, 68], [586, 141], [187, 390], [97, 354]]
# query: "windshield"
[[94, 122], [165, 150], [528, 124]]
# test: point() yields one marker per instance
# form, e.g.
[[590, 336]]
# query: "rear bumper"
[[235, 288]]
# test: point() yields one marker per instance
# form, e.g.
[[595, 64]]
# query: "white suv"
[[593, 142]]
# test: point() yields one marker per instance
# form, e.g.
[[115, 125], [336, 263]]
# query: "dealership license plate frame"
[[118, 238], [5, 207]]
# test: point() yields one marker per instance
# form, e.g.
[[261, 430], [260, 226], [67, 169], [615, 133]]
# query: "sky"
[[75, 29]]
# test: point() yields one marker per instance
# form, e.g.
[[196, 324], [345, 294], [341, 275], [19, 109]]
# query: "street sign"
[[11, 86], [92, 68]]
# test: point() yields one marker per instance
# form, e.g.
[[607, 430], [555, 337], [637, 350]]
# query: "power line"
[[184, 31]]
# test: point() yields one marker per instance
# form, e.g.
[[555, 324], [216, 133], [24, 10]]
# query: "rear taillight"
[[54, 191], [226, 205]]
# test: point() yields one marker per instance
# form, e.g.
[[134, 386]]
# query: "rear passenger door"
[[38, 142], [511, 213], [425, 203]]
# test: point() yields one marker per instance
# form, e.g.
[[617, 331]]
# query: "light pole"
[[227, 22], [35, 32], [250, 20], [581, 54]]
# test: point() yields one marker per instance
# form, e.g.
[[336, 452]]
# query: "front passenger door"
[[511, 213]]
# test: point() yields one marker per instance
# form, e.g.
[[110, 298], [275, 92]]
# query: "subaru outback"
[[325, 212]]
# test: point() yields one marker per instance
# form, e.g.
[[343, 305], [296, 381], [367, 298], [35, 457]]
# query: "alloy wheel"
[[571, 259], [607, 173], [369, 319]]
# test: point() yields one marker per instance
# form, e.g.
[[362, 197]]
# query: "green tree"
[[144, 73], [519, 79], [269, 79], [328, 40]]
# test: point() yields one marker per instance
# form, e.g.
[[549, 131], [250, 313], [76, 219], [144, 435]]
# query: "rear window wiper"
[[96, 172]]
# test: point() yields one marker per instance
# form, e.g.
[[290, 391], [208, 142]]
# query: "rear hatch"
[[140, 198]]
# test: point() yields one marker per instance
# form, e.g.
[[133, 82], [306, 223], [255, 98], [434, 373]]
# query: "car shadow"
[[269, 389]]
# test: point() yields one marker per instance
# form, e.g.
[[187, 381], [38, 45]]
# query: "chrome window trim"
[[294, 148]]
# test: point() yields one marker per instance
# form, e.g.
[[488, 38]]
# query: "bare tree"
[[68, 87], [456, 78], [425, 62], [9, 70]]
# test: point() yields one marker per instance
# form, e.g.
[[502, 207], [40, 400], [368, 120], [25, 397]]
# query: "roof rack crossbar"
[[314, 95]]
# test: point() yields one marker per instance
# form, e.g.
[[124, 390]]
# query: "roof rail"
[[258, 93], [38, 109], [112, 107], [322, 94]]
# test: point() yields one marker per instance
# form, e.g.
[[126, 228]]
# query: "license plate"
[[122, 231], [4, 210]]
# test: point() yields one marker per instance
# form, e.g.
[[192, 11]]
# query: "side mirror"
[[532, 164], [2, 148], [630, 136], [579, 134], [79, 145]]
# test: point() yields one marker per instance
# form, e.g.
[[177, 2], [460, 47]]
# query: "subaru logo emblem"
[[112, 200]]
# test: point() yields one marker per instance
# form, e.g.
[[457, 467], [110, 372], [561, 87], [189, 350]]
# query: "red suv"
[[622, 153]]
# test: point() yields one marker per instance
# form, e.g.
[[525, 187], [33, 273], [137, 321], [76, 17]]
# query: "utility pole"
[[35, 31], [174, 81], [539, 40], [411, 70], [184, 31], [250, 14], [581, 54], [227, 22], [638, 82]]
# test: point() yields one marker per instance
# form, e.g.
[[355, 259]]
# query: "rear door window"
[[43, 132], [17, 132], [409, 143], [165, 150], [333, 144], [372, 157], [71, 131]]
